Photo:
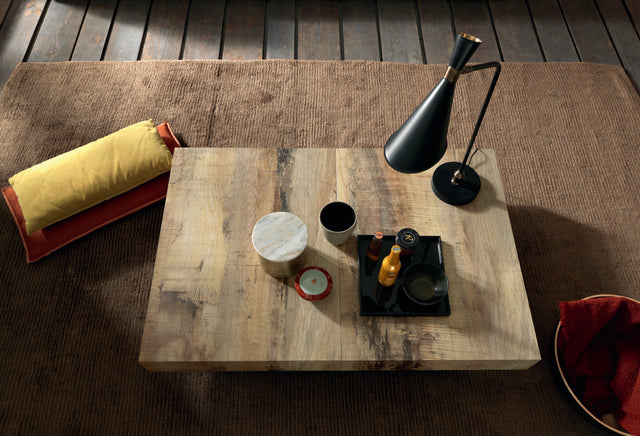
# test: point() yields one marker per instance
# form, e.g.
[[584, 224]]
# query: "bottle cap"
[[407, 238], [313, 283], [379, 235]]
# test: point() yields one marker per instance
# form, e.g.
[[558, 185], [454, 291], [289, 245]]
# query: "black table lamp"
[[422, 140]]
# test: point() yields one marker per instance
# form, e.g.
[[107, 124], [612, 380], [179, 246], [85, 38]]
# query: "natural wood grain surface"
[[319, 30], [16, 33], [490, 324], [54, 42], [555, 38], [360, 30], [281, 29], [399, 31], [588, 31], [95, 31], [165, 30], [402, 31], [633, 6], [4, 7], [127, 31], [204, 30], [623, 34], [244, 29], [212, 307], [517, 36], [437, 31]]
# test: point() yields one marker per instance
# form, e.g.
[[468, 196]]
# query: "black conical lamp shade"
[[422, 140]]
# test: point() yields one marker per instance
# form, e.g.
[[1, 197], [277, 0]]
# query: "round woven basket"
[[566, 382]]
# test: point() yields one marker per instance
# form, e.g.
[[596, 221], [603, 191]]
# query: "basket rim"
[[564, 379]]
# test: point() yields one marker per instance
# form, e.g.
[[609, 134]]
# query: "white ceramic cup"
[[337, 220]]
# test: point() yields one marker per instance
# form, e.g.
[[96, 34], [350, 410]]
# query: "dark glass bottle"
[[373, 252]]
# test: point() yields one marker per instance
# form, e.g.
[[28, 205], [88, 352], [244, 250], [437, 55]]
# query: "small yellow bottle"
[[390, 267]]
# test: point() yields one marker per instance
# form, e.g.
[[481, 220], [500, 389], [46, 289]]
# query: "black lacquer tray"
[[378, 301]]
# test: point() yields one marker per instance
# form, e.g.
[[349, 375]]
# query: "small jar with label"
[[408, 240]]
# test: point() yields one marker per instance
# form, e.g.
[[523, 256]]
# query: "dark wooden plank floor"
[[417, 31]]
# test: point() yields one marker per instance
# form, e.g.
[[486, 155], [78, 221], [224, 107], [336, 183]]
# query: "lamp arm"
[[470, 69]]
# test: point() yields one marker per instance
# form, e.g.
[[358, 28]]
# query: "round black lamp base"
[[456, 194]]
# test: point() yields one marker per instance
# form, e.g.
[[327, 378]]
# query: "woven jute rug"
[[566, 138]]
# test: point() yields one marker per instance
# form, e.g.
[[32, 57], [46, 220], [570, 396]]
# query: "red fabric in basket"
[[51, 238], [599, 346]]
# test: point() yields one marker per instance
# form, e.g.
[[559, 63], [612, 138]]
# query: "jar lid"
[[279, 237], [313, 283], [407, 238]]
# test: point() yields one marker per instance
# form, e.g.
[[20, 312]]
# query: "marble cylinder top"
[[280, 236]]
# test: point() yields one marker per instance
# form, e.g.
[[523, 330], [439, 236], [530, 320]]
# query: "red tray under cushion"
[[51, 238]]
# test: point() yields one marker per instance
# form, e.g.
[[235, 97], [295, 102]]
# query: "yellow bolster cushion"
[[81, 178]]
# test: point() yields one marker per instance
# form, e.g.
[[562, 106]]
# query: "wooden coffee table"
[[212, 306]]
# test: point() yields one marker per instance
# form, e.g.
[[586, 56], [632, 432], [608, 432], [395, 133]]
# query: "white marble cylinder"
[[280, 239]]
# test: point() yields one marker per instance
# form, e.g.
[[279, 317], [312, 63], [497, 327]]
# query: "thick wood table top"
[[212, 306]]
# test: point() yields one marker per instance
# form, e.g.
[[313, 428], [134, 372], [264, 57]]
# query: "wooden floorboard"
[[399, 34], [623, 34], [127, 32], [589, 32], [633, 6], [360, 30], [4, 8], [55, 40], [474, 17], [319, 30], [437, 30], [244, 29], [281, 29], [554, 36], [515, 31], [95, 30], [204, 29], [414, 31], [16, 33], [165, 32]]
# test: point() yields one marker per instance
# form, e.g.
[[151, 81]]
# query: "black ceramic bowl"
[[424, 284]]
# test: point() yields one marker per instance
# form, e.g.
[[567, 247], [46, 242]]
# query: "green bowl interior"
[[425, 284]]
